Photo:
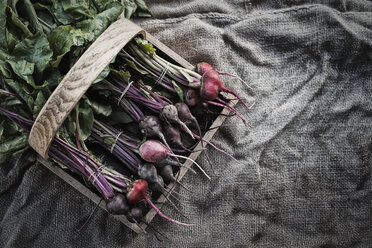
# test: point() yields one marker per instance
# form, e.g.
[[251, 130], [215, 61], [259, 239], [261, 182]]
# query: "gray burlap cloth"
[[304, 172]]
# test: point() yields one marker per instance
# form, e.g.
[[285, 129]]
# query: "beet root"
[[203, 67], [210, 85], [167, 173], [135, 215], [153, 151], [150, 126], [148, 172], [117, 205], [169, 114], [138, 192], [192, 97], [184, 114]]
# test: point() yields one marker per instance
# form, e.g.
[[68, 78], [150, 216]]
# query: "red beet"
[[192, 97], [211, 85], [153, 151], [203, 67], [138, 192]]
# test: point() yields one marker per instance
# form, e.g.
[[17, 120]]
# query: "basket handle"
[[78, 80]]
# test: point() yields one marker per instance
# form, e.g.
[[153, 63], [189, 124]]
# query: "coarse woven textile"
[[304, 172]]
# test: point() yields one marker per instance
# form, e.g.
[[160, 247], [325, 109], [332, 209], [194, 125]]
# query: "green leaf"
[[77, 9], [119, 117], [122, 74], [94, 27], [38, 103], [56, 9], [102, 75], [11, 145], [32, 16], [3, 30], [51, 76], [130, 8], [178, 90], [62, 39], [11, 129], [99, 108], [18, 88], [70, 126], [23, 69], [109, 140], [1, 129], [11, 102], [5, 68], [142, 9], [100, 89], [34, 49], [16, 24], [14, 143], [145, 45], [86, 119]]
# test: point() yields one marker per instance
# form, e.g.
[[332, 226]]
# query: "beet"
[[148, 172], [135, 215], [117, 205], [210, 85], [150, 126], [167, 173], [169, 114], [167, 160], [184, 114], [158, 184], [153, 151], [192, 97], [138, 192], [170, 161], [203, 67]]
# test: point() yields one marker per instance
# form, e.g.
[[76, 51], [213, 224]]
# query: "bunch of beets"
[[132, 131]]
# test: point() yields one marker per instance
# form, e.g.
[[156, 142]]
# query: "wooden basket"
[[73, 87]]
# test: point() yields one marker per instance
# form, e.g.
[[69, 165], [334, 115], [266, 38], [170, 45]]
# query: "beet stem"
[[218, 149], [237, 77], [91, 214], [165, 194], [124, 92], [229, 108], [197, 165], [164, 216]]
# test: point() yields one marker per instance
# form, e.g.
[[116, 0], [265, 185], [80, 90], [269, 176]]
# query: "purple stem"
[[16, 116]]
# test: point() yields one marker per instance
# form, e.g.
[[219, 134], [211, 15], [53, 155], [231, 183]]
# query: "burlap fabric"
[[304, 172]]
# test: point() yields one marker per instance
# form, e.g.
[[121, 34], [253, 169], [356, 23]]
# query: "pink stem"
[[236, 95], [235, 76], [163, 215], [215, 147], [229, 108]]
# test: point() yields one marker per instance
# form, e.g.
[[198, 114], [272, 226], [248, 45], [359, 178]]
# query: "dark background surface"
[[304, 177]]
